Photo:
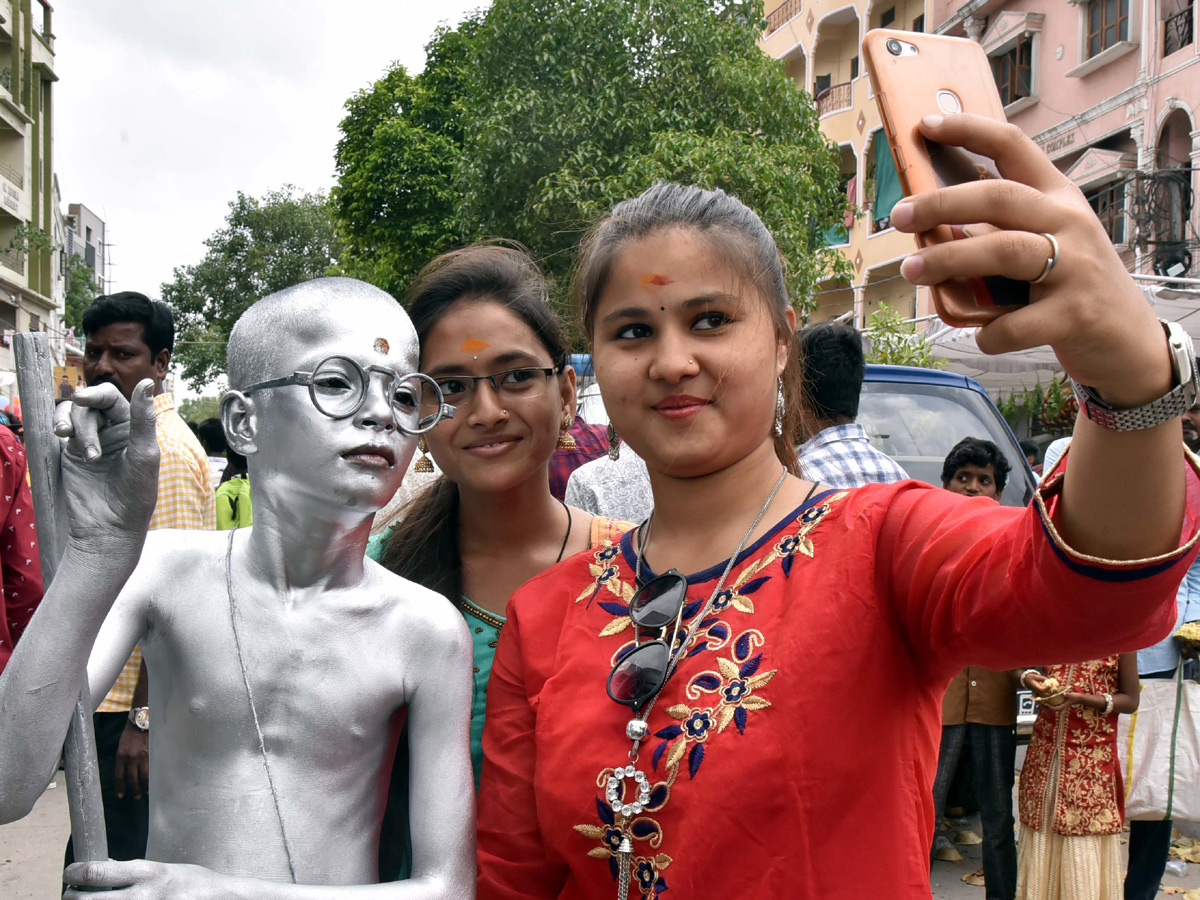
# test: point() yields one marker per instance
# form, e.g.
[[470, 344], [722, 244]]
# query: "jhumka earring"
[[566, 440], [424, 465], [779, 410], [614, 443]]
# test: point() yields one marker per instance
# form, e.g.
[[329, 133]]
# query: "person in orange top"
[[713, 706]]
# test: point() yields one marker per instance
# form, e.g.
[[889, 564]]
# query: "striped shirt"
[[185, 500], [842, 457]]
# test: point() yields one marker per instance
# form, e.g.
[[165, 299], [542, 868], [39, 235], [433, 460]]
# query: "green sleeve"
[[225, 516]]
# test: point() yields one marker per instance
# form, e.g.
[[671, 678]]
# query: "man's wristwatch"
[[139, 716], [1171, 405]]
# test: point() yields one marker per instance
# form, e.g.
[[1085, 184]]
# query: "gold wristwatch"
[[139, 716]]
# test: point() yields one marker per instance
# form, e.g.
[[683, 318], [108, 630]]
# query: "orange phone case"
[[906, 89]]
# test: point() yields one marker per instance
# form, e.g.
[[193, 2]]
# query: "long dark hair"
[[735, 233], [423, 546]]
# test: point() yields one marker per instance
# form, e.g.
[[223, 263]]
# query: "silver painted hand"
[[109, 463]]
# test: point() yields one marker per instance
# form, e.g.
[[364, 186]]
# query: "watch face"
[[141, 719]]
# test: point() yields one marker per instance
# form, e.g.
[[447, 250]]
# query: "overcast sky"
[[164, 109]]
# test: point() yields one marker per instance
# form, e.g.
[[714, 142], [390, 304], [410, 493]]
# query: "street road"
[[31, 853]]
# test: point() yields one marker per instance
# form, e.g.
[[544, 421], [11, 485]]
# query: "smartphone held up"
[[915, 75]]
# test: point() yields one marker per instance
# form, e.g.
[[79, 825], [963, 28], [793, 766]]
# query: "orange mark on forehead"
[[473, 345], [655, 280]]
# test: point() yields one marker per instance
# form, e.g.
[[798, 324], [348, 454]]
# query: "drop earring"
[[614, 443], [424, 465], [779, 410], [566, 440]]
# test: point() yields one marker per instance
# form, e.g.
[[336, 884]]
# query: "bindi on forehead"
[[473, 345], [656, 279]]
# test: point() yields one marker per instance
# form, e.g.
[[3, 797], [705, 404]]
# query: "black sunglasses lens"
[[657, 603], [636, 678]]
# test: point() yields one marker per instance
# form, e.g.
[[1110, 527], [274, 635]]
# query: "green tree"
[[82, 289], [197, 409], [532, 119], [267, 244], [395, 200], [894, 341]]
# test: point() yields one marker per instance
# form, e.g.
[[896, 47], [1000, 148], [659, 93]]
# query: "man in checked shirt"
[[838, 454], [130, 337]]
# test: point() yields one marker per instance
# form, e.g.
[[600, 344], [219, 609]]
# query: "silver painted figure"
[[282, 663]]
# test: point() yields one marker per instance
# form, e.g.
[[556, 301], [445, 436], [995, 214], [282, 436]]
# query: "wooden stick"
[[35, 382]]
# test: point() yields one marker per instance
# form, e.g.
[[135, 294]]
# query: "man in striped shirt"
[[838, 454], [130, 337]]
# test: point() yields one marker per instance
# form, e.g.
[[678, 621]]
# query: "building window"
[[887, 17], [854, 68], [919, 23], [1177, 31], [89, 236], [1108, 24], [1109, 206], [822, 83], [1012, 70], [35, 322]]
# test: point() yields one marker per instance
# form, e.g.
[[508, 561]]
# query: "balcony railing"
[[14, 259], [834, 98], [1177, 32], [13, 174], [778, 16]]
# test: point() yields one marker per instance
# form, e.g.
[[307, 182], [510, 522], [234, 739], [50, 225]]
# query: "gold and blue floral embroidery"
[[731, 692], [727, 694]]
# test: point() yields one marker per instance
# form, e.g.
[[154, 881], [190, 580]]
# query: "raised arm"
[[1124, 492], [109, 502], [441, 799]]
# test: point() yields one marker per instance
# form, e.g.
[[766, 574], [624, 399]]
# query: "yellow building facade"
[[819, 42]]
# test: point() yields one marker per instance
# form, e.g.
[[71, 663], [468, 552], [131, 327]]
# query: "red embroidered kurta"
[[1071, 769], [807, 708]]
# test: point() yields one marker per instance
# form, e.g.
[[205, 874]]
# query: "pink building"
[[1110, 89]]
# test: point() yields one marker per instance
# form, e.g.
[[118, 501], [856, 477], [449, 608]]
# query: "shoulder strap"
[[606, 531]]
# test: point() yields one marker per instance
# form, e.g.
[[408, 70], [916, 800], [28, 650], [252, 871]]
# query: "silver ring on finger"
[[1051, 262]]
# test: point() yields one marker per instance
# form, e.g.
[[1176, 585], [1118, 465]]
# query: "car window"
[[918, 424]]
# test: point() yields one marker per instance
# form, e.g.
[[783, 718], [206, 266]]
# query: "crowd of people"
[[690, 653]]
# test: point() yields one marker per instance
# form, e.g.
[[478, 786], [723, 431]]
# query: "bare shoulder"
[[425, 620], [184, 546], [175, 556]]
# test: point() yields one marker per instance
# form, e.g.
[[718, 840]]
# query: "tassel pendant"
[[624, 852]]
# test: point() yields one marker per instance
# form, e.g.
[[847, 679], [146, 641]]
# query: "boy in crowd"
[[979, 709]]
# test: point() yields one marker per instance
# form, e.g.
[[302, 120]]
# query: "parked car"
[[916, 416]]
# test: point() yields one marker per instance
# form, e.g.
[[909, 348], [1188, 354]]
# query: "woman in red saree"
[[809, 646]]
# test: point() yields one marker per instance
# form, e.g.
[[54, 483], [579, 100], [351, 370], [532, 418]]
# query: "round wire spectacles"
[[338, 388], [524, 382]]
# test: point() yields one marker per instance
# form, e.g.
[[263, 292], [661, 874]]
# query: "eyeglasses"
[[338, 388], [640, 674], [512, 384]]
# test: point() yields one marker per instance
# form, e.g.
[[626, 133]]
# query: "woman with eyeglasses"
[[730, 731], [491, 343]]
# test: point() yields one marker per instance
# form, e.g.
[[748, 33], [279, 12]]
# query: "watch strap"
[[1171, 405]]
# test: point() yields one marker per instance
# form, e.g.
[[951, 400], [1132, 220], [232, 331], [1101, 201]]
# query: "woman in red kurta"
[[805, 702], [1072, 803]]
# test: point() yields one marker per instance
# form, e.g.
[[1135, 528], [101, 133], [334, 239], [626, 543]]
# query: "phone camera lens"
[[894, 47]]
